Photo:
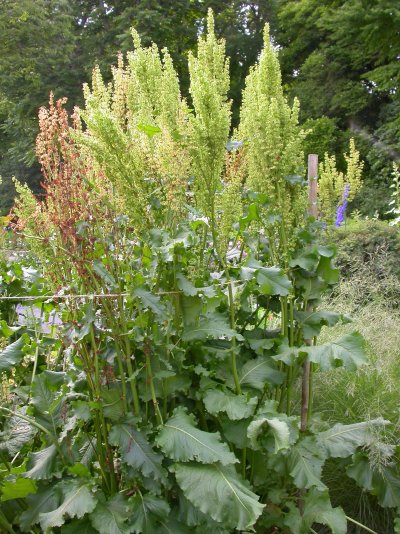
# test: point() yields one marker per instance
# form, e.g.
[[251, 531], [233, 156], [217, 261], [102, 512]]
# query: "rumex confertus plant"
[[168, 400]]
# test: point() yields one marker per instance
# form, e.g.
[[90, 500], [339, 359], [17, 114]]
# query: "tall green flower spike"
[[209, 125], [273, 139]]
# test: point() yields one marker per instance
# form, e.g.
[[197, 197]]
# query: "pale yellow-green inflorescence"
[[209, 124], [134, 130], [273, 139]]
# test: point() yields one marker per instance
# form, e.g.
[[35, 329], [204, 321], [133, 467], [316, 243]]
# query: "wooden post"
[[312, 209]]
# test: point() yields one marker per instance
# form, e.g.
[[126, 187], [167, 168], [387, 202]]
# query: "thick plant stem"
[[289, 378], [5, 524], [128, 353], [233, 353], [153, 392]]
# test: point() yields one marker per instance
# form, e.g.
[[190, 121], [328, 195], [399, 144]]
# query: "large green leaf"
[[78, 500], [317, 509], [278, 428], [17, 432], [235, 406], [271, 280], [180, 440], [153, 302], [348, 351], [341, 441], [136, 450], [12, 355], [384, 482], [313, 321], [17, 489], [46, 398], [111, 517], [305, 463], [101, 270], [259, 372], [214, 327], [147, 510], [41, 464], [43, 501], [219, 492]]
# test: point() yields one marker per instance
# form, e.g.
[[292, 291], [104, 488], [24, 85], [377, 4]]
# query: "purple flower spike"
[[341, 209]]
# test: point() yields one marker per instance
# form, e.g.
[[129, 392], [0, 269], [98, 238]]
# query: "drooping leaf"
[[219, 491], [348, 351], [258, 372], [313, 321], [112, 404], [386, 486], [190, 290], [235, 406], [43, 501], [44, 396], [317, 509], [236, 432], [214, 327], [360, 470], [180, 440], [146, 511], [305, 463], [12, 355], [41, 464], [153, 302], [110, 517], [383, 482], [272, 281], [77, 500], [278, 428], [17, 432], [101, 270], [341, 441], [327, 271], [307, 260], [136, 451], [17, 489]]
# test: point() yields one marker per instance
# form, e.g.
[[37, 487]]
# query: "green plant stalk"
[[97, 425], [153, 393], [35, 362], [100, 424], [132, 381], [34, 423], [284, 333], [110, 317], [233, 352], [109, 455], [5, 524], [289, 379]]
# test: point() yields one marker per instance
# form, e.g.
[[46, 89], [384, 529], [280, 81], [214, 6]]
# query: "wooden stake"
[[312, 210]]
